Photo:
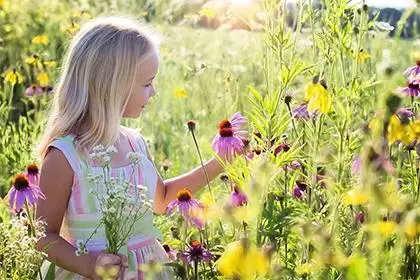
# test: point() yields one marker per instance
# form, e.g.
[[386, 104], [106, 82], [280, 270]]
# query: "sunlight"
[[239, 2]]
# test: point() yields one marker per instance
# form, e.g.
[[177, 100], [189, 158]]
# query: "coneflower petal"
[[12, 197], [171, 206]]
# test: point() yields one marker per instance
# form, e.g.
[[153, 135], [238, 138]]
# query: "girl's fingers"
[[124, 260]]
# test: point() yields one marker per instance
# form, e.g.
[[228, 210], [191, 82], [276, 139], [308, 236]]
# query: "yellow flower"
[[362, 56], [242, 261], [180, 92], [50, 63], [319, 99], [40, 40], [386, 227], [395, 129], [355, 197], [207, 12], [42, 79], [412, 132], [411, 230], [34, 59], [13, 77], [72, 28]]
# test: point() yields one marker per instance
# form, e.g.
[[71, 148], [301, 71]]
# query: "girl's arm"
[[55, 182], [193, 180]]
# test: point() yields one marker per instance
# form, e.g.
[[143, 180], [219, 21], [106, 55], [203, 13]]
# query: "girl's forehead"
[[148, 67]]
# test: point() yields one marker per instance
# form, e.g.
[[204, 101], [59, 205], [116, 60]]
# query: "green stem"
[[201, 161]]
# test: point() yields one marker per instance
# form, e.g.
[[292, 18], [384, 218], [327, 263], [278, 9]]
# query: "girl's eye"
[[148, 85]]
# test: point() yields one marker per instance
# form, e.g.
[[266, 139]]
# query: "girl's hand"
[[108, 262]]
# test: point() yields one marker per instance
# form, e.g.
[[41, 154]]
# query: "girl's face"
[[143, 86]]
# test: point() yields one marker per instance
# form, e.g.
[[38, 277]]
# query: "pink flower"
[[196, 253], [21, 191], [414, 70], [412, 88], [32, 172], [237, 121], [185, 204], [238, 198], [229, 141], [33, 90]]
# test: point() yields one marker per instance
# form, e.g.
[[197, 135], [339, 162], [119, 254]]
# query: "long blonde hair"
[[96, 81]]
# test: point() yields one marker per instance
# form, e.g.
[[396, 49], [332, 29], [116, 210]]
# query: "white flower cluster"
[[103, 155], [133, 158], [19, 256], [120, 202], [81, 248]]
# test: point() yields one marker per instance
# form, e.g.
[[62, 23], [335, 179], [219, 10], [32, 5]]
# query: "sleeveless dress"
[[82, 215]]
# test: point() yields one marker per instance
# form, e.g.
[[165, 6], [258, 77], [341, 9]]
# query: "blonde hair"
[[96, 82]]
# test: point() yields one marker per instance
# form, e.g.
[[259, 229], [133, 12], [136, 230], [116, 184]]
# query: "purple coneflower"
[[228, 142], [414, 70], [412, 88], [301, 113], [196, 253], [33, 90], [21, 191], [185, 204], [237, 121], [404, 113], [238, 198], [32, 172]]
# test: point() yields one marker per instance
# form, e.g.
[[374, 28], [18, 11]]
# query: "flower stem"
[[31, 222], [201, 161], [196, 270]]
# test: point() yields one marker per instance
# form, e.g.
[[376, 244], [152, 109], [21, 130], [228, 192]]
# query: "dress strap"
[[66, 145]]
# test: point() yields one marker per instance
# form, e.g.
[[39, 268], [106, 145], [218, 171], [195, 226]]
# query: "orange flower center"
[[418, 63], [224, 124], [226, 132], [32, 169], [20, 182], [184, 195], [196, 243]]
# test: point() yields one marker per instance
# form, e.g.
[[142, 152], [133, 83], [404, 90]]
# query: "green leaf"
[[51, 272]]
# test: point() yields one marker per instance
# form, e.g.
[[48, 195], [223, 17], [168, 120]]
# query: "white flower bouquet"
[[120, 202]]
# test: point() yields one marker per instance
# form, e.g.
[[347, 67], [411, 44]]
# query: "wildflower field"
[[328, 184]]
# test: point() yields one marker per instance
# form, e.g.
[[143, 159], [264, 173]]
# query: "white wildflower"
[[111, 150], [133, 158]]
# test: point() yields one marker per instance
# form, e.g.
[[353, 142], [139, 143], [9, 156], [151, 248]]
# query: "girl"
[[108, 74]]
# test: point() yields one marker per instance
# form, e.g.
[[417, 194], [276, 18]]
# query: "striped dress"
[[82, 215]]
